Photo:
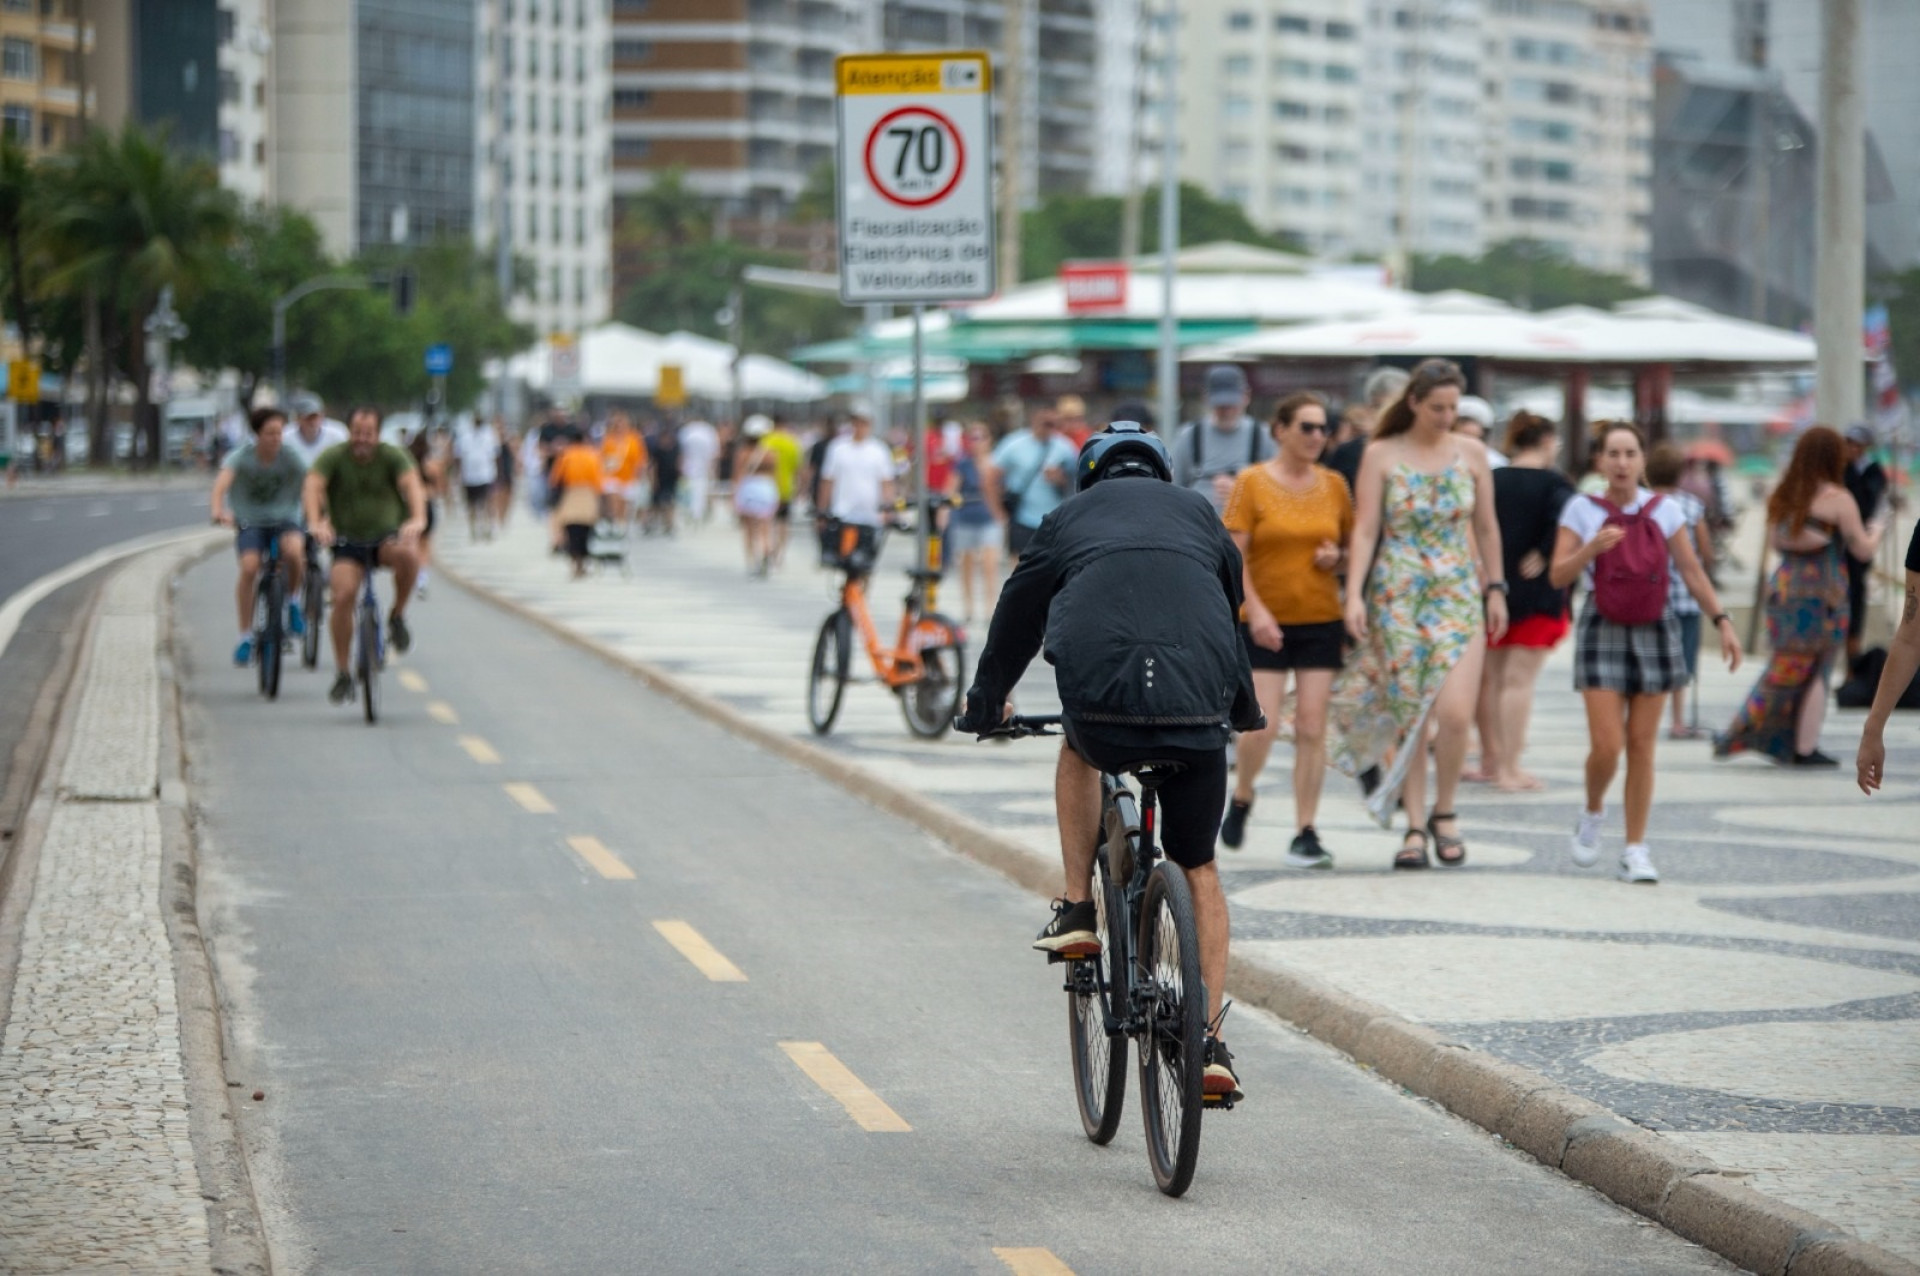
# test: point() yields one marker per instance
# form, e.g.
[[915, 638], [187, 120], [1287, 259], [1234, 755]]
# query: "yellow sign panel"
[[891, 73], [23, 381], [672, 390]]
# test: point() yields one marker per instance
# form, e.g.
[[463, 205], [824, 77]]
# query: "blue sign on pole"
[[439, 359]]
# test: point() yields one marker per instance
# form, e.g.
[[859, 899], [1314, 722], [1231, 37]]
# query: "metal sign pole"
[[920, 433]]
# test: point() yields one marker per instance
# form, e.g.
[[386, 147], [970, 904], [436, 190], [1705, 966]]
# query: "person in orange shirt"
[[623, 454], [576, 481], [1291, 518]]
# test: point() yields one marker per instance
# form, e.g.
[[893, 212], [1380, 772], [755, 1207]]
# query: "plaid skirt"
[[1634, 660]]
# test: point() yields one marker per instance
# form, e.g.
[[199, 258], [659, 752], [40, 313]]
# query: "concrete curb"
[[234, 1224], [1657, 1177]]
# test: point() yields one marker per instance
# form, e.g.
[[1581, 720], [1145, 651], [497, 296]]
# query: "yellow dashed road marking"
[[704, 956], [479, 750], [868, 1110], [1032, 1262], [442, 712], [604, 861], [531, 800], [412, 681]]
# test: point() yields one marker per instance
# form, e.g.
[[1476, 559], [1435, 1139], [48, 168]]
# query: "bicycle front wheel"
[[368, 664], [1172, 1042], [1099, 1056], [827, 675], [272, 636], [313, 592], [932, 701]]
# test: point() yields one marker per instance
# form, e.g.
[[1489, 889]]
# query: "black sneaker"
[[397, 628], [1073, 932], [1218, 1080], [1815, 759], [1306, 851], [1233, 829], [342, 689]]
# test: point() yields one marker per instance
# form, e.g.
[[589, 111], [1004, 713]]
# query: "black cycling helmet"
[[1124, 447]]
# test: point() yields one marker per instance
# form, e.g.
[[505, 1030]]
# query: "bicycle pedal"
[[1224, 1102]]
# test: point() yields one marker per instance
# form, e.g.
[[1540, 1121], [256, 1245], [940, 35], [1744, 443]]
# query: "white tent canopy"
[[1648, 330], [1269, 296], [617, 359]]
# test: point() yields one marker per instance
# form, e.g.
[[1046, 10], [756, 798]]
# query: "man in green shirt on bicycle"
[[364, 501]]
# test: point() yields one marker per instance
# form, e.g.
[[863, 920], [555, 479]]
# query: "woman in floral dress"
[[1417, 614], [1814, 521]]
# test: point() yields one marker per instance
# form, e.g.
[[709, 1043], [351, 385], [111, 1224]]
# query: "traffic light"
[[403, 291]]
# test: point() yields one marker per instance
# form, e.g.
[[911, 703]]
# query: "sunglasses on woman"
[[1314, 427]]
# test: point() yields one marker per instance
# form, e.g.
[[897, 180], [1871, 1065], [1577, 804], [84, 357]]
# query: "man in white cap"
[[1474, 418], [1207, 454]]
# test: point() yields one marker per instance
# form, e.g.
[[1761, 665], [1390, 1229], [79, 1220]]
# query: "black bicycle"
[[270, 617], [313, 598], [369, 638], [1145, 984]]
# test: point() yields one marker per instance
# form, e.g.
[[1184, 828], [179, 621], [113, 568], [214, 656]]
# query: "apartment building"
[[243, 35], [1408, 127], [740, 93], [42, 75], [1270, 113], [543, 158], [1568, 129]]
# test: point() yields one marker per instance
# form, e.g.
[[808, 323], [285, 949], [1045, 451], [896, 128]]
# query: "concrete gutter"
[[1654, 1176]]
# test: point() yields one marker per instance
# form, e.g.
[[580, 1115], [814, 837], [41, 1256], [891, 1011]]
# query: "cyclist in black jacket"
[[1133, 589]]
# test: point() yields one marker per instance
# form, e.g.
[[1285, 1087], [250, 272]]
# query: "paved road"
[[42, 533], [479, 1054]]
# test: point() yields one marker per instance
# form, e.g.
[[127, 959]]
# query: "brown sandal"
[[1450, 851], [1413, 856]]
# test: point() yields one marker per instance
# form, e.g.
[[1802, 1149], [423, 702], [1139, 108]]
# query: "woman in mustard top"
[[1291, 517]]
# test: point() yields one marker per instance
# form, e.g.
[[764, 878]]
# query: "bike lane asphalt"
[[1761, 1006], [545, 973]]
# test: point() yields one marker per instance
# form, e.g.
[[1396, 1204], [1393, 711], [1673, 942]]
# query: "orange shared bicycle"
[[924, 667]]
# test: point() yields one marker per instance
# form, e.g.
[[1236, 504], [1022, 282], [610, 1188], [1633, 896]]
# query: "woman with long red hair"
[[1811, 520]]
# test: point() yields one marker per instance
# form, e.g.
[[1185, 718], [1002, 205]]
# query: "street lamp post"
[[318, 284], [164, 327]]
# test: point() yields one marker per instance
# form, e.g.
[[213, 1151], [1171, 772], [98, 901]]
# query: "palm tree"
[[125, 218]]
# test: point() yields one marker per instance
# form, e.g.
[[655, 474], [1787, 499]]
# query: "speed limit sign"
[[916, 177]]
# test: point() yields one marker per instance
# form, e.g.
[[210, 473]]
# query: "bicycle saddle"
[[1152, 774], [921, 573]]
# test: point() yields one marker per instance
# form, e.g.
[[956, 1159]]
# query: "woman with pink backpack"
[[1627, 652]]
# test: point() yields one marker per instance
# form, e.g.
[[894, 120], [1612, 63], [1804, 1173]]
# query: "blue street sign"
[[439, 359]]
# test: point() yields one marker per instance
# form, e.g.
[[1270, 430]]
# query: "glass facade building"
[[416, 120]]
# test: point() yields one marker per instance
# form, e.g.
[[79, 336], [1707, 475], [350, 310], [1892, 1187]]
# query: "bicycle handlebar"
[[1020, 727]]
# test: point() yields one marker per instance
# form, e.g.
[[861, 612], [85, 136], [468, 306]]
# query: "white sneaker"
[[1586, 838], [1636, 865]]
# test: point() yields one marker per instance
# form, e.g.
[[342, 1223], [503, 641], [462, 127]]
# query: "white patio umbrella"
[[1451, 323]]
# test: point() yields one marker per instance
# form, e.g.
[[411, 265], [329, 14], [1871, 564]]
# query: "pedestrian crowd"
[[1410, 562]]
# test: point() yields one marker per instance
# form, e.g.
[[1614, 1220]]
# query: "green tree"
[[1901, 293], [230, 319], [1066, 227], [127, 217], [684, 277], [1525, 273], [19, 197]]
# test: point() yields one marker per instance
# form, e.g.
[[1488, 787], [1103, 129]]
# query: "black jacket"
[[1135, 587]]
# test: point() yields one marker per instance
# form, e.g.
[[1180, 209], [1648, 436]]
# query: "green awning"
[[1010, 342]]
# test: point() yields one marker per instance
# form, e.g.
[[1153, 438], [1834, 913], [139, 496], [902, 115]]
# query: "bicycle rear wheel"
[[1099, 1056], [367, 663], [827, 676], [1173, 1042], [932, 701], [313, 592], [273, 635]]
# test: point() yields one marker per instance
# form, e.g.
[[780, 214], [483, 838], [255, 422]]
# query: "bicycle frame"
[[900, 664], [1128, 831]]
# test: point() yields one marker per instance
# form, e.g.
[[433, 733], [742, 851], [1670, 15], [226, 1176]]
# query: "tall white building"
[[1569, 129], [1411, 127], [245, 58], [542, 99], [1270, 111]]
